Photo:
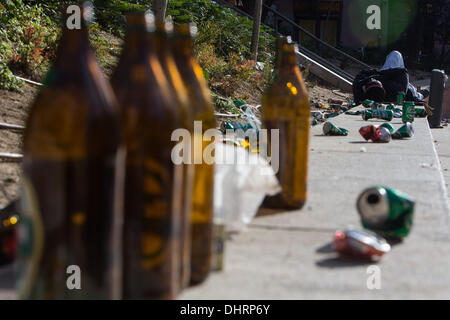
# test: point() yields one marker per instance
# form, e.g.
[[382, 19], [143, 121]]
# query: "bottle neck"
[[161, 43], [137, 40], [74, 47], [287, 61], [183, 46]]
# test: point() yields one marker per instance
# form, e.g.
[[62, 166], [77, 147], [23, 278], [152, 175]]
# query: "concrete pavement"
[[288, 256], [441, 139]]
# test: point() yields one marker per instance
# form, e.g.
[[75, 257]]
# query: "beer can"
[[330, 129], [377, 134], [421, 113], [401, 98], [354, 113], [387, 115], [388, 126], [360, 243], [386, 211], [367, 103], [409, 112], [378, 106], [390, 107], [406, 131]]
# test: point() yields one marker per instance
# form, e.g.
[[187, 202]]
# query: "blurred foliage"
[[27, 39], [29, 30], [221, 27]]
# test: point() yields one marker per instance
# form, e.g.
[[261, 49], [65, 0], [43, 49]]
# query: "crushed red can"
[[360, 243], [375, 133]]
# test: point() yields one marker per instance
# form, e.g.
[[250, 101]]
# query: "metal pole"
[[436, 98]]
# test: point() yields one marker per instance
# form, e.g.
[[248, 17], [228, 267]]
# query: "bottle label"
[[161, 216]]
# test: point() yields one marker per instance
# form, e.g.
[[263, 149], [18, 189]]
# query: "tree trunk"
[[159, 9], [256, 26]]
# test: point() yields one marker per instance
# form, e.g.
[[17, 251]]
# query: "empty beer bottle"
[[286, 108], [163, 51], [151, 253], [200, 106], [70, 181], [279, 43]]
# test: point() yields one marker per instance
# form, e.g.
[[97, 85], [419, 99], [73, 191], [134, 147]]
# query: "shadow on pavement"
[[336, 261]]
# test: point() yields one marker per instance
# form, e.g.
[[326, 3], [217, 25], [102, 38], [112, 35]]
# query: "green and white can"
[[406, 131], [387, 115], [330, 129], [409, 112], [386, 211]]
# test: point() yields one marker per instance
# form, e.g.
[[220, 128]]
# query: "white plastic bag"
[[240, 186]]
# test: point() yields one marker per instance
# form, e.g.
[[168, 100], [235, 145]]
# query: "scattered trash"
[[360, 243], [388, 126], [363, 149], [387, 115], [354, 113], [330, 129], [409, 112], [239, 103], [421, 113], [317, 115], [240, 186], [378, 106], [249, 114], [336, 101], [377, 134], [367, 103], [406, 131], [401, 98], [387, 212], [233, 125], [398, 115], [331, 115]]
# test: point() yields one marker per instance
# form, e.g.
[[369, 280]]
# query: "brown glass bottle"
[[70, 189], [286, 108], [200, 106], [163, 51], [152, 214]]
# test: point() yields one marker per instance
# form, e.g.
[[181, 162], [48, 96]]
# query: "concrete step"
[[287, 256]]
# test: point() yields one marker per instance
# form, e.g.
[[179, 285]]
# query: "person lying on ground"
[[385, 84]]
